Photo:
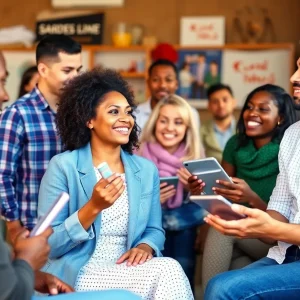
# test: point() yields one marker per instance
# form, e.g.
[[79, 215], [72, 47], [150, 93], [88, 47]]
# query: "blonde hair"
[[193, 145]]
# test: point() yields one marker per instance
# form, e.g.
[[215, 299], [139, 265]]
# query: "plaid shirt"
[[28, 140]]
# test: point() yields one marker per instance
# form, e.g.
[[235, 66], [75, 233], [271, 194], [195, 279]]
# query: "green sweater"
[[258, 167]]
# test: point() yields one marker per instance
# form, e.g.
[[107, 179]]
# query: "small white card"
[[202, 31]]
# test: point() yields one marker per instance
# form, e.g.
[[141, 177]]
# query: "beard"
[[223, 117]]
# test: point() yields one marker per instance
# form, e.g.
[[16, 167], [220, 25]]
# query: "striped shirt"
[[28, 140], [285, 198]]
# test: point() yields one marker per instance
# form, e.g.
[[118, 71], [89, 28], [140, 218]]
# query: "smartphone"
[[208, 170], [217, 205], [105, 170], [45, 221], [172, 180]]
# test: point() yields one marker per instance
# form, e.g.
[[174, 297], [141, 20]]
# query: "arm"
[[281, 200], [154, 233], [11, 148], [228, 168], [72, 230], [239, 191], [68, 231], [258, 224]]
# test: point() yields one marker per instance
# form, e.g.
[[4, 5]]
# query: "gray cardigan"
[[16, 278]]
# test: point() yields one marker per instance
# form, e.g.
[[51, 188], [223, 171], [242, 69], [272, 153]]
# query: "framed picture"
[[202, 31], [198, 70]]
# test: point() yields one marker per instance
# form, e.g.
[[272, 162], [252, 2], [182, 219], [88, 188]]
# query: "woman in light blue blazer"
[[108, 233]]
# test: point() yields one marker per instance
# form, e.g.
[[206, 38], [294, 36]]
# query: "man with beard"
[[276, 276], [162, 82], [216, 132], [28, 135]]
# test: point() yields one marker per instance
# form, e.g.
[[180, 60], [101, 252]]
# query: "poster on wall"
[[198, 70], [246, 70], [202, 31]]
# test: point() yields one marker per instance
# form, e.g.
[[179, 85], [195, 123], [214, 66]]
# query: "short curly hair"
[[78, 103]]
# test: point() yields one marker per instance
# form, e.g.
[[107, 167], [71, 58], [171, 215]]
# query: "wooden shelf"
[[133, 74]]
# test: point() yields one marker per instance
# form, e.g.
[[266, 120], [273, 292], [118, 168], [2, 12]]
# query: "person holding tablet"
[[276, 276], [251, 159], [109, 235], [168, 138]]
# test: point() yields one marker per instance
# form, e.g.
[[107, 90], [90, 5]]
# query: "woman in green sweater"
[[251, 159]]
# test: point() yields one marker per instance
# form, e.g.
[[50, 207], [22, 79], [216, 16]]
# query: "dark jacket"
[[16, 278]]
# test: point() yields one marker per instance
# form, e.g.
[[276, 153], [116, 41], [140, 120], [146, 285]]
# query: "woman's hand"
[[239, 191], [195, 185], [166, 192], [137, 256], [107, 191], [184, 175]]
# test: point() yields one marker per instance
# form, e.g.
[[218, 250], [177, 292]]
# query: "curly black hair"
[[286, 110], [78, 103]]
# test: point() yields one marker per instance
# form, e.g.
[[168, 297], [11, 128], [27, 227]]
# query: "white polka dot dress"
[[160, 278]]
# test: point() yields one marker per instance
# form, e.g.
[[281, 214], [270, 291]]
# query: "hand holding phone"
[[105, 170], [168, 187], [108, 189]]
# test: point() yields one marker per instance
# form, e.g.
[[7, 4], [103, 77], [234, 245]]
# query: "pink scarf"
[[167, 165]]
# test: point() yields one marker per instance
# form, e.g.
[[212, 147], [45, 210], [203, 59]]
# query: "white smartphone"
[[172, 180], [208, 170], [105, 170], [217, 205], [45, 221]]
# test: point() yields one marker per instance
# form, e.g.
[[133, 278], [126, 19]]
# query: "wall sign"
[[202, 31], [85, 29], [246, 70]]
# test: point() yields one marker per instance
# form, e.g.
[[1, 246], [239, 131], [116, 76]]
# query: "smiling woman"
[[111, 224], [251, 159]]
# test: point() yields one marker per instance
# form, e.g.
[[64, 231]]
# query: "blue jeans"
[[180, 245], [99, 295], [264, 279]]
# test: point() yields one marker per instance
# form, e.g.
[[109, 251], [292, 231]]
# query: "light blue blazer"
[[73, 172]]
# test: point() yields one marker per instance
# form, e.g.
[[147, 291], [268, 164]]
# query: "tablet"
[[208, 170], [45, 221], [172, 180], [217, 205]]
